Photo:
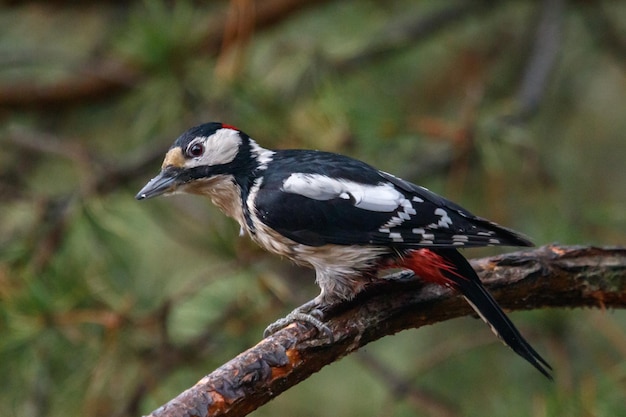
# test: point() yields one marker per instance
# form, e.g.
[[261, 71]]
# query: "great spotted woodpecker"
[[340, 216]]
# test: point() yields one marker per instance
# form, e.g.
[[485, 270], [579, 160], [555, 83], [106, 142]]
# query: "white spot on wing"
[[393, 222], [460, 238], [426, 237], [445, 220], [405, 212], [382, 197]]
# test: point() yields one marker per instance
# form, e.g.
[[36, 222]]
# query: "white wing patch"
[[382, 197]]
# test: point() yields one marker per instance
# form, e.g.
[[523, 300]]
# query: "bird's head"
[[201, 155]]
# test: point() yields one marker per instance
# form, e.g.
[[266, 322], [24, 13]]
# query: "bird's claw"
[[313, 317]]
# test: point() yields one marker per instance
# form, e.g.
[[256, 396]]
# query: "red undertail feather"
[[449, 268], [430, 267]]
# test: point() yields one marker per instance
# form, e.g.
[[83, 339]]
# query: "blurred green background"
[[110, 307]]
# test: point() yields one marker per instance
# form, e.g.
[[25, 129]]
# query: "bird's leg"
[[311, 312]]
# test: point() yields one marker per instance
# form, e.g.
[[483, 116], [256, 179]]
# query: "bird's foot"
[[309, 312]]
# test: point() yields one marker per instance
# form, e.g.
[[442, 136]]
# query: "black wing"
[[339, 200], [479, 231]]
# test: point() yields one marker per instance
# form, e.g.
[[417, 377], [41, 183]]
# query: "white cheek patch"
[[382, 197], [219, 148]]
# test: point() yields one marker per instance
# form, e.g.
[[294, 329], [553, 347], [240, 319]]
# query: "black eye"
[[195, 150]]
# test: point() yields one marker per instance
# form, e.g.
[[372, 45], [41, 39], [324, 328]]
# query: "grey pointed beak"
[[161, 184]]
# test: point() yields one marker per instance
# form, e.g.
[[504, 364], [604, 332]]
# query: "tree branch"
[[542, 60], [104, 77], [401, 35], [550, 276]]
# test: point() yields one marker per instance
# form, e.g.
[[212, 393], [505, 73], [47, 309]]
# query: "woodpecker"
[[341, 216]]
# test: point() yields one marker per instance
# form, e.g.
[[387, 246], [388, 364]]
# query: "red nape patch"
[[429, 266], [225, 126]]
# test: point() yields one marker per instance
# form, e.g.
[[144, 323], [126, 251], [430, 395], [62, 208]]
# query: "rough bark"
[[550, 276]]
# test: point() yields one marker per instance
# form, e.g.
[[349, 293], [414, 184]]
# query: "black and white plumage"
[[339, 215]]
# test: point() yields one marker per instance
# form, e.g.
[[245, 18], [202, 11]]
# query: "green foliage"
[[111, 307]]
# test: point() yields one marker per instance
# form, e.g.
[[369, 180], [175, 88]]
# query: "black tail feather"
[[488, 309]]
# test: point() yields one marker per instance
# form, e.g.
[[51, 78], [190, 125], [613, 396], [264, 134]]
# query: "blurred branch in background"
[[96, 80], [100, 176], [399, 35], [401, 388], [605, 29], [551, 276], [105, 75], [542, 60]]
